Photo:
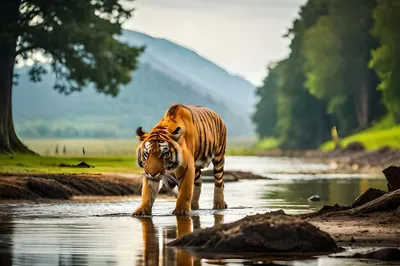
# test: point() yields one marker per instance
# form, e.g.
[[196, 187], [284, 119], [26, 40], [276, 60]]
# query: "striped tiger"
[[186, 140]]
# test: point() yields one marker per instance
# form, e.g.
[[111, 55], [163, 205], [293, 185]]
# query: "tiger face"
[[159, 151]]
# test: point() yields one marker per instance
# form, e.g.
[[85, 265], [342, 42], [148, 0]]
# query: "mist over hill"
[[168, 73]]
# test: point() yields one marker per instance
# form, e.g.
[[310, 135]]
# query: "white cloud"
[[242, 36]]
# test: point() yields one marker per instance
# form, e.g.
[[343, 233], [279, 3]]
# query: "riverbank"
[[353, 159]]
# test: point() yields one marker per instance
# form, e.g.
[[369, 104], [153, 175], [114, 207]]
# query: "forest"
[[342, 70]]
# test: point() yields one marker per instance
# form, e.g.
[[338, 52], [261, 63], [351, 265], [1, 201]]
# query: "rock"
[[392, 174], [79, 165], [369, 195], [388, 202], [355, 146], [325, 210], [314, 198], [386, 254], [234, 175], [261, 233]]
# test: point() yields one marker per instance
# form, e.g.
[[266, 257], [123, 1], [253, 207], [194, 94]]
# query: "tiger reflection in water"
[[169, 256]]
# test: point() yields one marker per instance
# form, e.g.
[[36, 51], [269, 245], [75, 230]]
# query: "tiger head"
[[159, 151]]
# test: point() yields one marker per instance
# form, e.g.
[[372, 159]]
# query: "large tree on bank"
[[78, 40]]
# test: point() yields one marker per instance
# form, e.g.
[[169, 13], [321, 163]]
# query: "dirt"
[[65, 186], [261, 233], [367, 230]]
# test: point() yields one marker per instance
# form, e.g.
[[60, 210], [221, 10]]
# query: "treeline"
[[343, 70], [43, 130]]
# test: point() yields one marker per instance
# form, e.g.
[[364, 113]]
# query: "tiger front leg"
[[185, 193], [150, 189]]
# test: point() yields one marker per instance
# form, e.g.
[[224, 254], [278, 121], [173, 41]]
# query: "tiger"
[[185, 141]]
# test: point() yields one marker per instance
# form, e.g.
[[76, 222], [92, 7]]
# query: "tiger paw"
[[181, 212], [220, 205], [141, 212]]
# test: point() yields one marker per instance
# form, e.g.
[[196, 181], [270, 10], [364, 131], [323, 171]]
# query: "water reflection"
[[331, 191], [156, 253], [6, 233], [103, 233]]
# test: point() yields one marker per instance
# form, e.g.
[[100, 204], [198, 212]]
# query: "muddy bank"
[[261, 233], [232, 176], [352, 159], [65, 186]]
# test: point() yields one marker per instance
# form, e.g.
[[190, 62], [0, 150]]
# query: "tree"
[[337, 50], [78, 38], [265, 116], [386, 58], [302, 120]]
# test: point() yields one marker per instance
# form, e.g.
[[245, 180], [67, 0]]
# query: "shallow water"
[[104, 233]]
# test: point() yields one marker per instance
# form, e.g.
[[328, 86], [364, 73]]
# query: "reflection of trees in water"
[[24, 250], [6, 232], [167, 256], [331, 191]]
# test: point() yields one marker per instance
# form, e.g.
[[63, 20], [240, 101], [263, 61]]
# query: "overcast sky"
[[242, 36]]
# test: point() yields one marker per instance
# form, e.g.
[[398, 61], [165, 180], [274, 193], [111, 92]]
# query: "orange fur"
[[196, 136]]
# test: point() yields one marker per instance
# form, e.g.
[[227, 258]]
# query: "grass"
[[107, 155], [19, 163], [383, 133], [267, 144]]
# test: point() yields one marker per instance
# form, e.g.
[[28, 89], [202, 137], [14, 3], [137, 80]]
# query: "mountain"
[[168, 73]]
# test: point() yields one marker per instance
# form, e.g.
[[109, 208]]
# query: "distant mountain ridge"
[[190, 68], [168, 73]]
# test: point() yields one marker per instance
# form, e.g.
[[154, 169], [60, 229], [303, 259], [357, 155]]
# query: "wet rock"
[[261, 233], [314, 198], [369, 195], [386, 254], [392, 174], [234, 175], [355, 146], [326, 209], [79, 165]]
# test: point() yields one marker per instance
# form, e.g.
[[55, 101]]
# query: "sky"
[[241, 36]]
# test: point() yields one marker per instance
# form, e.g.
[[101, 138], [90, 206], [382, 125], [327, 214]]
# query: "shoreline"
[[352, 160]]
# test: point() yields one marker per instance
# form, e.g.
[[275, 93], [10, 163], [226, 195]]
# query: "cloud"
[[242, 36]]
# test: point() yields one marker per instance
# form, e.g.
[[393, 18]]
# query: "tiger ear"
[[140, 134], [177, 133]]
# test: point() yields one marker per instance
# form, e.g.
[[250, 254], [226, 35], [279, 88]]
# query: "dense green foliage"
[[77, 38], [344, 57], [386, 58]]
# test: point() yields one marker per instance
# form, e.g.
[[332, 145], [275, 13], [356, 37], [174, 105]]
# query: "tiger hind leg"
[[196, 190], [219, 201]]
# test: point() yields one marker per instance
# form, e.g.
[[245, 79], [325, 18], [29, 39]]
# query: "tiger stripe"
[[187, 139]]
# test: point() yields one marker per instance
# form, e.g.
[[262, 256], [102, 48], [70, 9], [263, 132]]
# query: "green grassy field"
[[107, 155], [383, 133], [18, 163]]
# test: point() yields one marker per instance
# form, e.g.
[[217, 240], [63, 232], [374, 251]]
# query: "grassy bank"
[[49, 164], [384, 133]]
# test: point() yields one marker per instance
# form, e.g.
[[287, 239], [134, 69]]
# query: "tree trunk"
[[9, 141], [361, 106]]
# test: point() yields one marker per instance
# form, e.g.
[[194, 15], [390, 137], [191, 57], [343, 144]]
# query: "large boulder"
[[261, 233]]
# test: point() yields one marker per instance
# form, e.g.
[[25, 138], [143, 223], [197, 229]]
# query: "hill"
[[168, 74]]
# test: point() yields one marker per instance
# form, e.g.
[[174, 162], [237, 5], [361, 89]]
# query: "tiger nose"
[[152, 176]]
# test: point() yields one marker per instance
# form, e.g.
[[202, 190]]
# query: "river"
[[103, 232]]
